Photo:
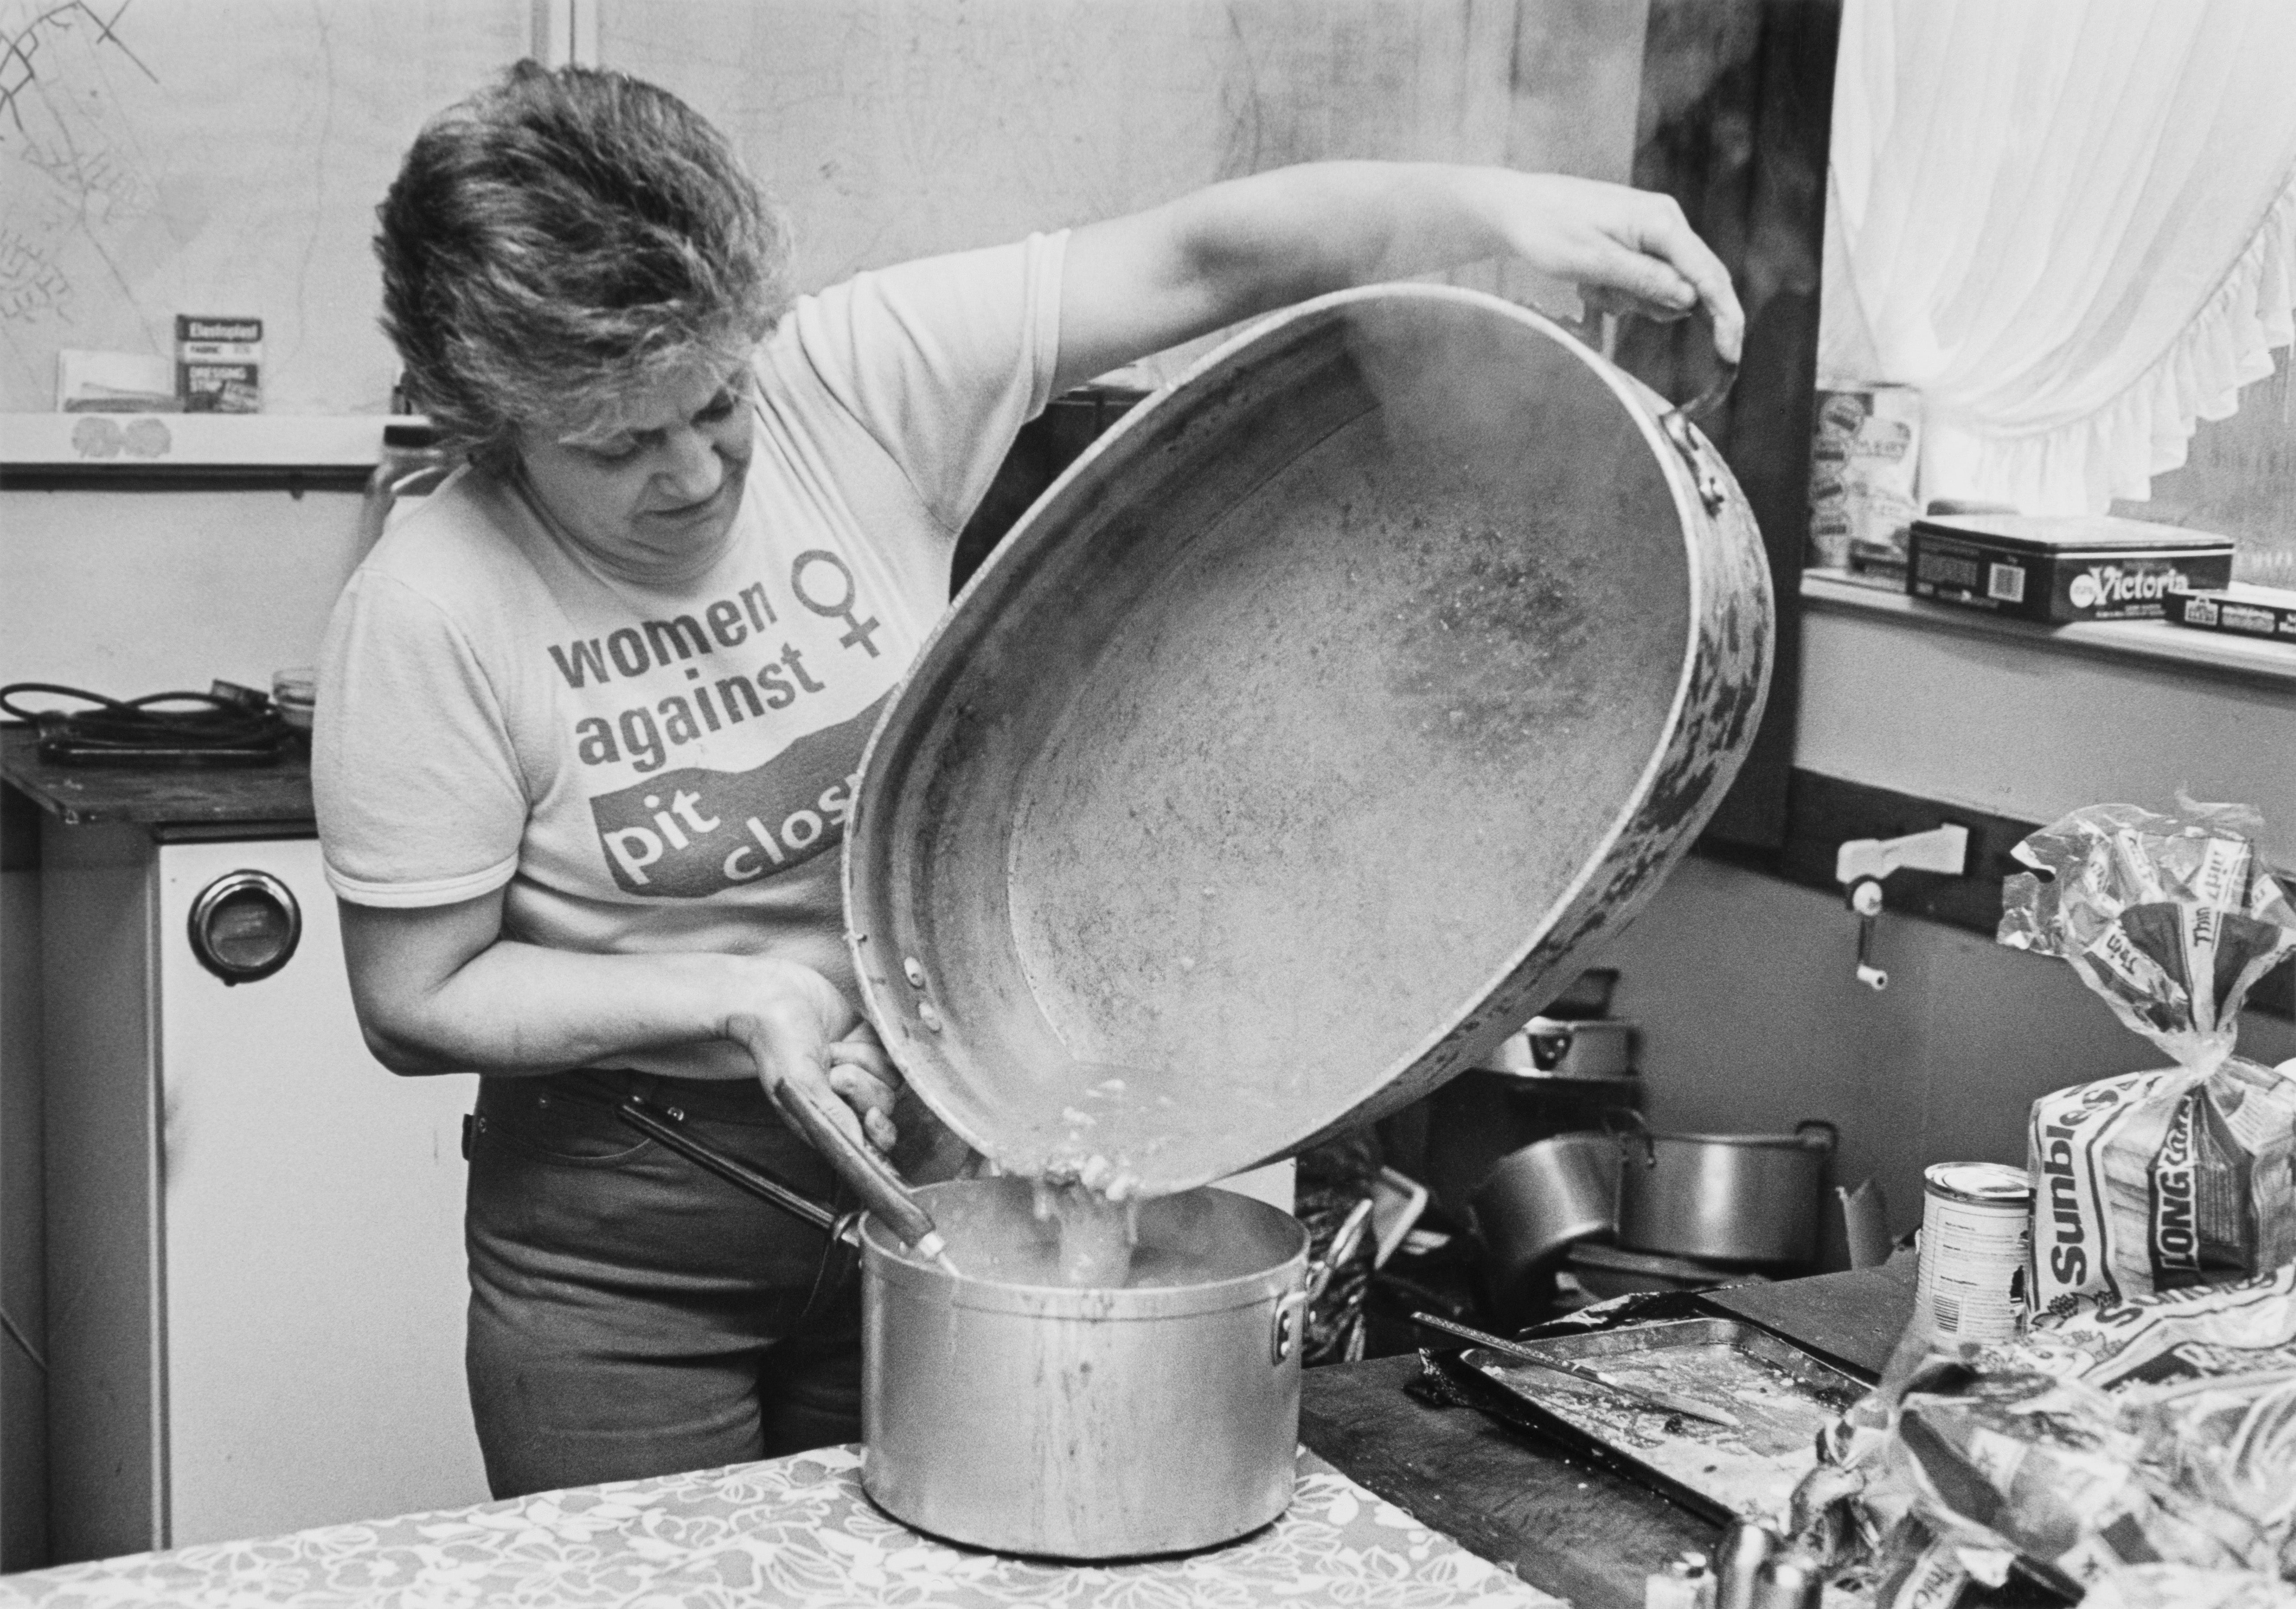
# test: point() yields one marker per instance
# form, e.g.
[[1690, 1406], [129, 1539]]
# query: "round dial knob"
[[245, 926]]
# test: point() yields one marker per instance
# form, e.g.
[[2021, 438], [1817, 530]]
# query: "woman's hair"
[[563, 240]]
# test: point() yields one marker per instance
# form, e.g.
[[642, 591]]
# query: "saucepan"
[[1302, 741], [1004, 1409], [1742, 1198], [1537, 1202], [1568, 1049]]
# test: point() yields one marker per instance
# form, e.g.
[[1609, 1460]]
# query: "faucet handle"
[[1944, 849]]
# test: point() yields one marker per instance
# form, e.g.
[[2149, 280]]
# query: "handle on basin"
[[1675, 422]]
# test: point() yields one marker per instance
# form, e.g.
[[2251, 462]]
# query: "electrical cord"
[[227, 720]]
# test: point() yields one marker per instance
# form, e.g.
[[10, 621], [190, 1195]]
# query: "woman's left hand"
[[1627, 250]]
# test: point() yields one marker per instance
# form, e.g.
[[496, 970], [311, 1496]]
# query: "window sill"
[[2207, 655]]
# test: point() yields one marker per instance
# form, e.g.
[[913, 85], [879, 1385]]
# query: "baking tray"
[[1783, 1396]]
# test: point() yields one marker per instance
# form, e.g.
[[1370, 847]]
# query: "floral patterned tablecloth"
[[794, 1531]]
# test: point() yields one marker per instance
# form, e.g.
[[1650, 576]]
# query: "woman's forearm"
[[440, 988], [516, 1008], [1135, 284], [1285, 235]]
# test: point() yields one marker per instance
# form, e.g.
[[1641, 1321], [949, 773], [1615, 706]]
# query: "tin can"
[[1791, 1580], [1977, 1234]]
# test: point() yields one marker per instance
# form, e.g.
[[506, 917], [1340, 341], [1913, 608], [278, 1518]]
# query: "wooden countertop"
[[273, 800], [1562, 1523]]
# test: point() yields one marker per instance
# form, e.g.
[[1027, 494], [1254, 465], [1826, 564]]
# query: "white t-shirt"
[[669, 769]]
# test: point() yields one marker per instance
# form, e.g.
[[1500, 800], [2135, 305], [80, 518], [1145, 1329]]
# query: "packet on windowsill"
[[114, 382], [2154, 1181]]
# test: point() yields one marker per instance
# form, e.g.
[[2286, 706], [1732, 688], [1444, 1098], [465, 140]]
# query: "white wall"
[[2015, 729], [1742, 984], [1751, 1022], [133, 592]]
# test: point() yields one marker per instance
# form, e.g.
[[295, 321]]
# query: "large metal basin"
[[1302, 740]]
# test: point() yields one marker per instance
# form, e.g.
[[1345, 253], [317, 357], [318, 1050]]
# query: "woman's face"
[[653, 492]]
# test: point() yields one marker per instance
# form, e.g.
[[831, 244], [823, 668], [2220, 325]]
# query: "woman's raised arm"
[[1133, 285]]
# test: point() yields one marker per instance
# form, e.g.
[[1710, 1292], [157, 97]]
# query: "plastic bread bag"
[[2183, 1587], [2170, 917], [2145, 1447], [2183, 1176]]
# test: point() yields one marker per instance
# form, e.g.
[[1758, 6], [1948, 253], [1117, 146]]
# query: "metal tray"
[[1783, 1396]]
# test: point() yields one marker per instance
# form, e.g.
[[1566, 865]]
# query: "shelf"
[[63, 451], [2205, 653]]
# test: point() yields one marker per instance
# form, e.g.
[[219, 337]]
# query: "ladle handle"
[[659, 1125], [872, 1177]]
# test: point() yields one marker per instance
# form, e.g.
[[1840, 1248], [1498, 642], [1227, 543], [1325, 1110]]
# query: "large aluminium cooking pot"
[[1002, 1409], [1302, 740], [1008, 1412]]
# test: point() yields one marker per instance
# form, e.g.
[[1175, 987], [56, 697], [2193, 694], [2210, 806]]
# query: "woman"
[[592, 716]]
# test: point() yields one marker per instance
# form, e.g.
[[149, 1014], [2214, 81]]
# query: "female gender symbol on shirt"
[[856, 630]]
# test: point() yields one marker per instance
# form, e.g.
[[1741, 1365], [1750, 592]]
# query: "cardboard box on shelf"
[[218, 363], [2056, 569], [1863, 461], [2240, 610], [113, 382]]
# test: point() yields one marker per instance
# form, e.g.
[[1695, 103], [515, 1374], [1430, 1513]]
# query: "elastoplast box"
[[2056, 569], [218, 363]]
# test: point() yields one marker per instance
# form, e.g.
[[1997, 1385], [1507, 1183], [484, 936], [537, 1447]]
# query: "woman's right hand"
[[798, 1027]]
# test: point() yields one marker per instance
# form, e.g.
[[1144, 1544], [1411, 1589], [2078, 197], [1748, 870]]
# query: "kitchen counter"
[[251, 801], [794, 1532], [1401, 1502], [1561, 1523]]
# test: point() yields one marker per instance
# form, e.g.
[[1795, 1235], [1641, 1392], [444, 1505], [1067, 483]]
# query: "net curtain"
[[2071, 224]]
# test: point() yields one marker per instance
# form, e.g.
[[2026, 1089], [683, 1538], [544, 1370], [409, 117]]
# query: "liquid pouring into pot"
[[1073, 1235]]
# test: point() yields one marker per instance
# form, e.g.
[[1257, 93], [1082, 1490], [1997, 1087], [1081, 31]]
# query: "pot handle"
[[1818, 1134], [1548, 1047], [1626, 1125], [1290, 1320], [1291, 1312]]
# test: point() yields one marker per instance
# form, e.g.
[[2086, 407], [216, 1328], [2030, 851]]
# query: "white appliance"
[[255, 1256]]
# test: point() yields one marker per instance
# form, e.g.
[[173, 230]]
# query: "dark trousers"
[[631, 1314]]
